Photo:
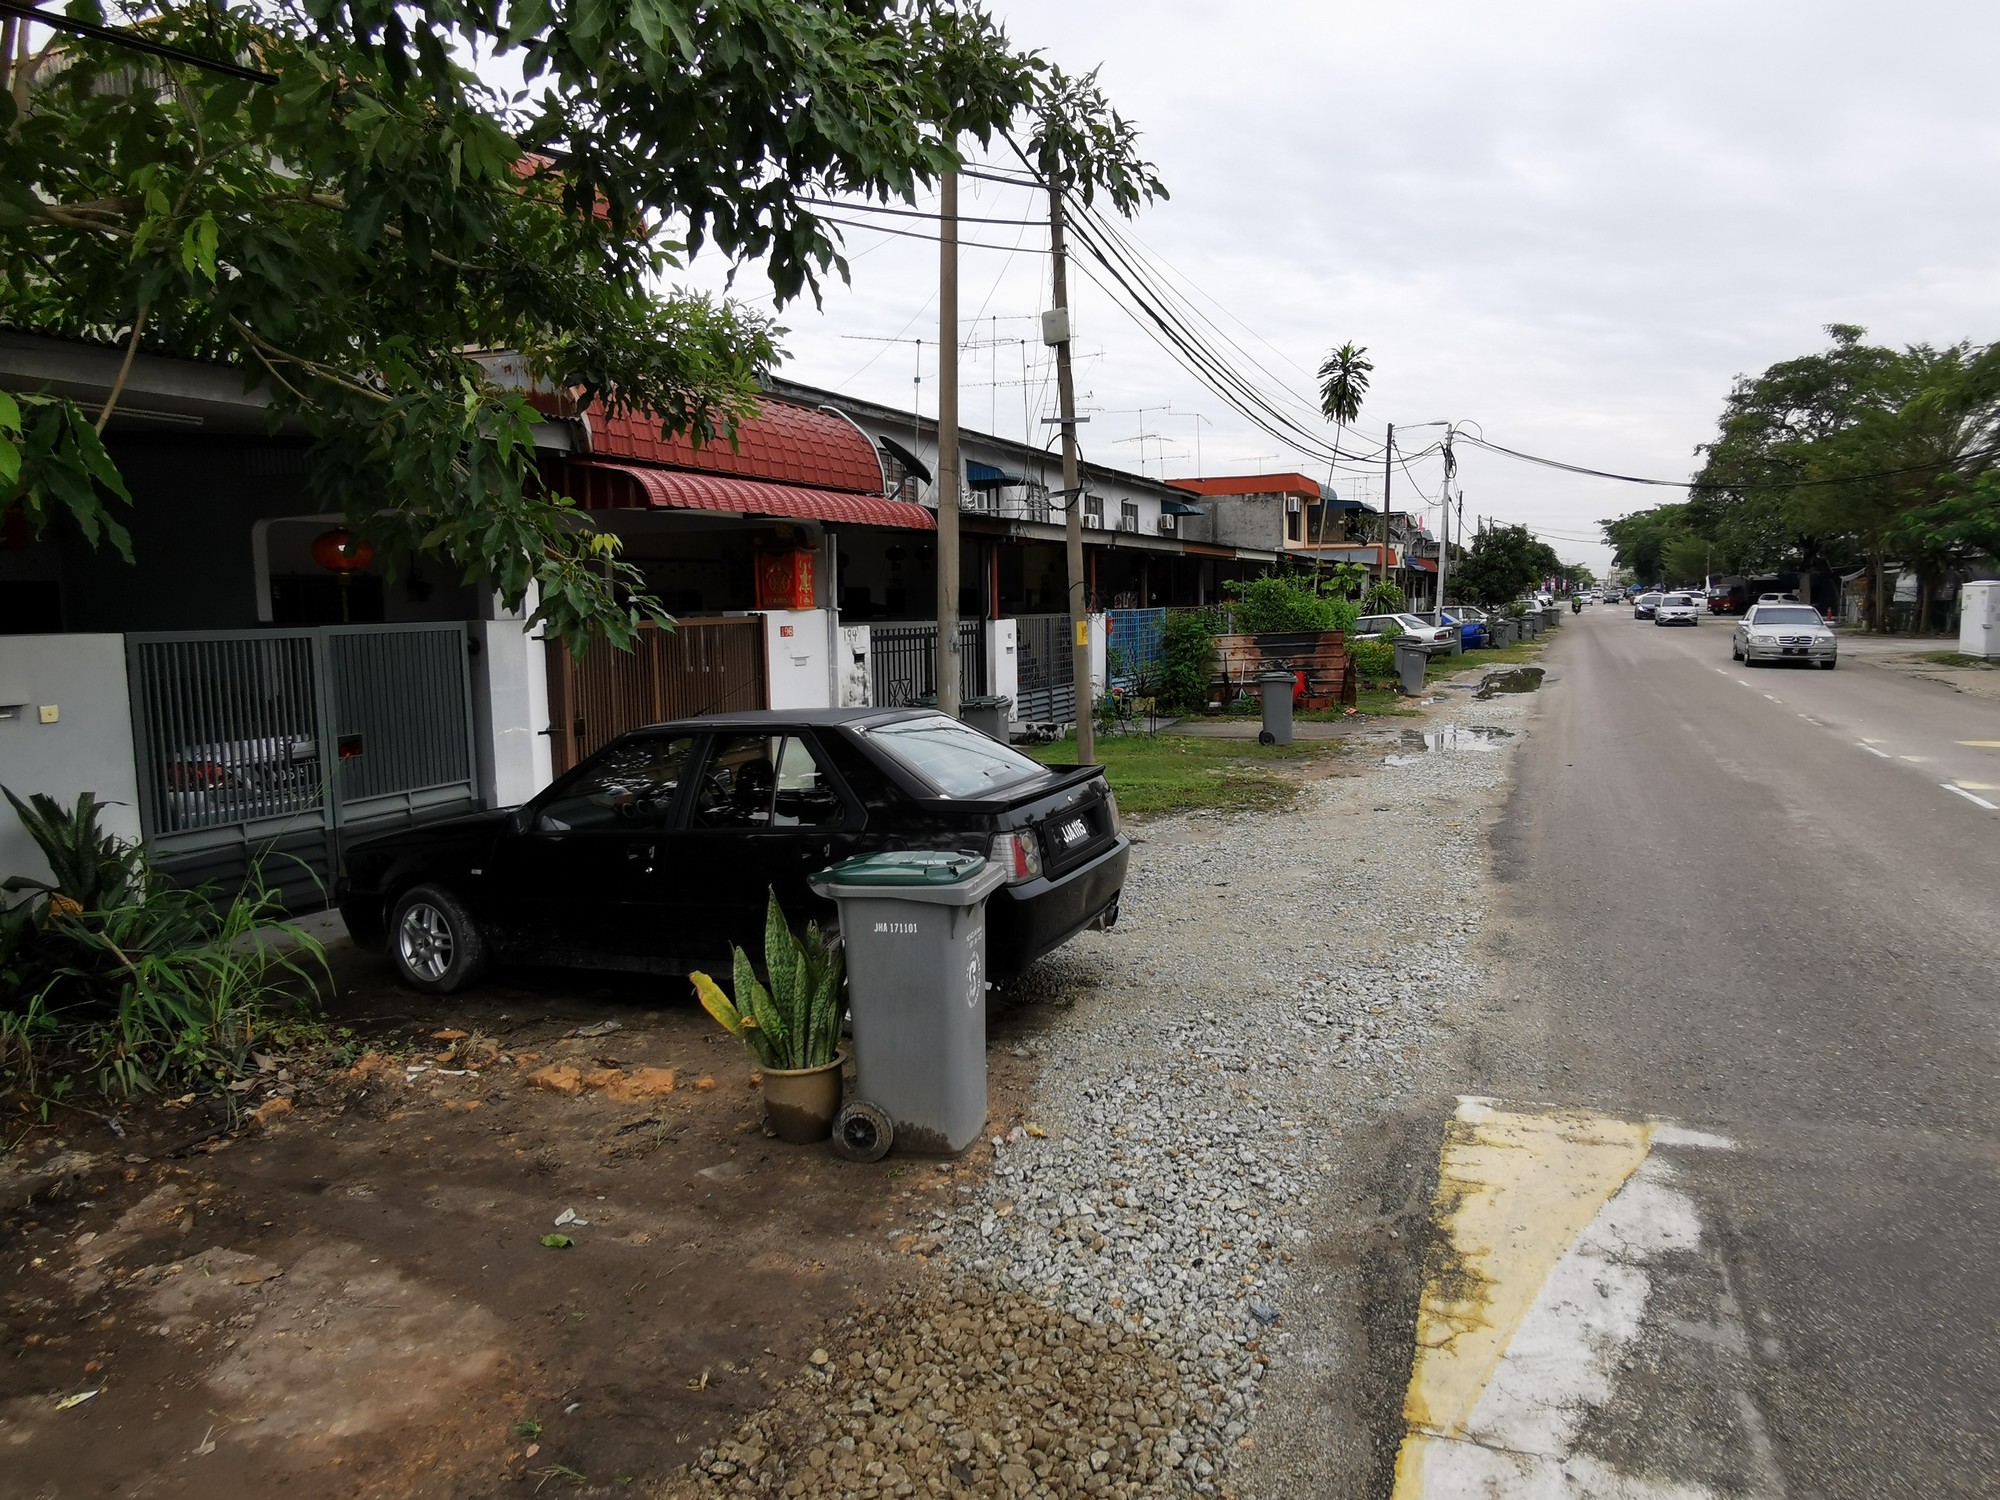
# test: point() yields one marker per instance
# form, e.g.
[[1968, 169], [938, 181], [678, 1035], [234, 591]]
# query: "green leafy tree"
[[1504, 563], [353, 234]]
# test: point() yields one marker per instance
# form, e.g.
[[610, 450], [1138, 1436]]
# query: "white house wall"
[[81, 679]]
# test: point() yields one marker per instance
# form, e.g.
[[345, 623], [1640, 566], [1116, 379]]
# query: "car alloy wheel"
[[436, 945], [424, 942]]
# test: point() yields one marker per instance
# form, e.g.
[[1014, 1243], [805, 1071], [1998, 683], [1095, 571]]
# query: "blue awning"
[[1181, 508], [980, 476]]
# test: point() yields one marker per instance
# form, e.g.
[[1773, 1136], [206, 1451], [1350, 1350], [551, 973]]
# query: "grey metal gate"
[[1047, 670], [902, 661], [270, 748]]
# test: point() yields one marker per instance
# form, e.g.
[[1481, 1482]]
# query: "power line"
[[911, 213], [133, 43], [1726, 484], [912, 234]]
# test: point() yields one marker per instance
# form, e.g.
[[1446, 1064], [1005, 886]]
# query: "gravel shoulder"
[[1193, 1266]]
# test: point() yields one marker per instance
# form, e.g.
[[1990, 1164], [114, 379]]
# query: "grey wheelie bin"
[[1275, 689], [987, 715], [1411, 659], [914, 925]]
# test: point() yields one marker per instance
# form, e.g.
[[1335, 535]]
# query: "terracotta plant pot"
[[800, 1103]]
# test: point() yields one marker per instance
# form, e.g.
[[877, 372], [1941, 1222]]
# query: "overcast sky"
[[1572, 223]]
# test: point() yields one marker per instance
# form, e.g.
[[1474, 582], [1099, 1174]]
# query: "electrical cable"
[[912, 234], [133, 43], [1719, 484], [913, 213]]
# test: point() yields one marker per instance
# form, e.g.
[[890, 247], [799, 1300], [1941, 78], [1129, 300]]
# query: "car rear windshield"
[[959, 761], [1795, 614]]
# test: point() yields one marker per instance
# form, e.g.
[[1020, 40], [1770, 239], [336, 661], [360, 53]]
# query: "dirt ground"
[[354, 1298]]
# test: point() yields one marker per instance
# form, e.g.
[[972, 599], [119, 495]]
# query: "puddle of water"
[[1510, 680], [1450, 737]]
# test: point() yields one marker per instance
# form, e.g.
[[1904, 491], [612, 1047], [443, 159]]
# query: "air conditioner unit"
[[1168, 521]]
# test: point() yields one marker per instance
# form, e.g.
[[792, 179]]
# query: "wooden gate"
[[698, 667]]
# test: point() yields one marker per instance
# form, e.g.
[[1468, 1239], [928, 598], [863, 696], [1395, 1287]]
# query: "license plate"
[[1073, 832], [1795, 651]]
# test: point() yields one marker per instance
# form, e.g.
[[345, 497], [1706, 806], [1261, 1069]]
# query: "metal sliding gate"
[[698, 667], [1047, 670], [267, 749], [902, 661]]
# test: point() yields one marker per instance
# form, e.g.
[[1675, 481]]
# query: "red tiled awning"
[[1428, 564], [679, 489]]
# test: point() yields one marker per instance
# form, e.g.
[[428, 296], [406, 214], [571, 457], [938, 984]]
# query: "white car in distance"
[[1678, 609]]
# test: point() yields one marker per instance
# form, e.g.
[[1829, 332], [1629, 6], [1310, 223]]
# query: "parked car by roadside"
[[1436, 638], [1677, 609], [1784, 632], [657, 853], [1643, 606]]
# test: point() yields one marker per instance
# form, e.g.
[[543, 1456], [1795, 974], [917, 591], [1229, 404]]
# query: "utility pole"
[[1055, 332], [947, 474], [1388, 460], [1444, 540]]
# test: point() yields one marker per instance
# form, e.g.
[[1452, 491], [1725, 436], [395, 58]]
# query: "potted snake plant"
[[791, 1028]]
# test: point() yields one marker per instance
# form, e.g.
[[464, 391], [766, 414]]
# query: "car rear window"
[[1781, 614], [959, 761]]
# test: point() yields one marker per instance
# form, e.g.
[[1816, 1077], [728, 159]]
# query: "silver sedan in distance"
[[1784, 632], [1677, 609]]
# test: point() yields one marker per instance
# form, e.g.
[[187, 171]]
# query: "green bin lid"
[[906, 867]]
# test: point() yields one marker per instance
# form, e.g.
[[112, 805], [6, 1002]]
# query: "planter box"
[[1329, 674]]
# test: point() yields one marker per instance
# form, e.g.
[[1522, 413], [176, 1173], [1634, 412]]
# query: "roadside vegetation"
[[1858, 456], [1515, 655], [116, 984], [1957, 659], [1164, 773]]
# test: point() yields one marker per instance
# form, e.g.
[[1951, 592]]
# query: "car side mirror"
[[519, 819]]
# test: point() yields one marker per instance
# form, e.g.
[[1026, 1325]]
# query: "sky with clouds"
[[1571, 223]]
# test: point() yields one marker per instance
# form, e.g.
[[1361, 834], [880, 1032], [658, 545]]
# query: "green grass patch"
[[1162, 773], [1956, 659]]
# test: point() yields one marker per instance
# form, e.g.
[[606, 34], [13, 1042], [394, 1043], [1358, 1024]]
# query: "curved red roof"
[[681, 489], [786, 443]]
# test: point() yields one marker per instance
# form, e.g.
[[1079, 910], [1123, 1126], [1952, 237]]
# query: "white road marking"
[[1564, 1222], [1972, 797], [1919, 759], [1746, 682], [1774, 700], [1873, 751]]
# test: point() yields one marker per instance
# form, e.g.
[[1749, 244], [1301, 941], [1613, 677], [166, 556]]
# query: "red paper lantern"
[[341, 551]]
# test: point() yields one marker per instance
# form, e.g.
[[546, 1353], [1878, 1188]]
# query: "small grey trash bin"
[[1274, 690], [987, 715], [1411, 658], [914, 925]]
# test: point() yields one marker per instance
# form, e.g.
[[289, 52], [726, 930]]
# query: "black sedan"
[[656, 853]]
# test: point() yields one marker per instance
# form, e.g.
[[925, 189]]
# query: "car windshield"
[[1646, 598], [959, 761], [1786, 614], [1678, 599]]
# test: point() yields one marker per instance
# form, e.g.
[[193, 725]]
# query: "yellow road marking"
[[1979, 786], [1981, 744], [1514, 1189]]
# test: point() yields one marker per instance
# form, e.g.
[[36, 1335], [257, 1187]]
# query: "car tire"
[[1828, 666], [1735, 652], [435, 945]]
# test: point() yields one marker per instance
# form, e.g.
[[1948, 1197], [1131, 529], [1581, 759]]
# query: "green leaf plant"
[[795, 1023]]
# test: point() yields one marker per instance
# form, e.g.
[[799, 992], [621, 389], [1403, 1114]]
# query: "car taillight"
[[1111, 809], [198, 776], [1018, 854]]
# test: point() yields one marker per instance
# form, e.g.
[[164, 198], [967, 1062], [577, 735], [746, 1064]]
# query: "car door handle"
[[639, 851]]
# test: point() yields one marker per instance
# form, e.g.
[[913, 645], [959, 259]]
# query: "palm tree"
[[1343, 381]]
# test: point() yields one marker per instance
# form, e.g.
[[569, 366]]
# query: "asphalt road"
[[1748, 902]]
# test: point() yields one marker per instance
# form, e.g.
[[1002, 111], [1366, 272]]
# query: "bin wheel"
[[1265, 737], [862, 1132]]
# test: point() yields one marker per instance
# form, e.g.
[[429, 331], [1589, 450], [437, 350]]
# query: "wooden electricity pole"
[[1388, 461], [948, 465], [1055, 331]]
